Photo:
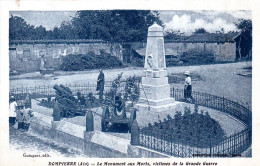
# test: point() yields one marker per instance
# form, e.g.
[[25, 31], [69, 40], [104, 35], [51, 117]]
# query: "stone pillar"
[[56, 112], [28, 102], [135, 134], [89, 121], [155, 89]]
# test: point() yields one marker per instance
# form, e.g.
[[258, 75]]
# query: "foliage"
[[197, 57], [139, 62], [114, 25], [91, 101], [132, 91], [193, 129], [200, 30], [108, 25], [111, 94], [89, 61], [174, 35], [245, 27], [20, 30]]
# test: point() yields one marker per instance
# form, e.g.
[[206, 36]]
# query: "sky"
[[185, 21], [212, 21]]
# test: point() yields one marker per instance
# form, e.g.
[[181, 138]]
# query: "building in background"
[[25, 56], [224, 47]]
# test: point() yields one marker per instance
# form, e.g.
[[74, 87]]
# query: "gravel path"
[[217, 79]]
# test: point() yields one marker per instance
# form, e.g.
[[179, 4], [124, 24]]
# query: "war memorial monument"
[[159, 123]]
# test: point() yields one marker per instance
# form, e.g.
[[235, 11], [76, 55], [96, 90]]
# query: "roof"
[[195, 38], [56, 41], [209, 38]]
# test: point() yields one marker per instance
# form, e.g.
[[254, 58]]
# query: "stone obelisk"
[[155, 89]]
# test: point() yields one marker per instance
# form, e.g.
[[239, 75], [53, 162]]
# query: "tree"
[[18, 28], [40, 32], [66, 30], [174, 35], [245, 39], [108, 25], [200, 30], [114, 25]]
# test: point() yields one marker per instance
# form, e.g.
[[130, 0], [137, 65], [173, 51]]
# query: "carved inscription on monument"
[[148, 90]]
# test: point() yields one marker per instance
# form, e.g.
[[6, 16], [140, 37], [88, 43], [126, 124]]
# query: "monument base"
[[47, 71], [155, 105]]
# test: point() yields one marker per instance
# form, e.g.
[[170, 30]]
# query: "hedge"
[[197, 58], [89, 61]]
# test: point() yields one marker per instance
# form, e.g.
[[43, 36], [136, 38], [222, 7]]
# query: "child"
[[27, 114], [19, 118]]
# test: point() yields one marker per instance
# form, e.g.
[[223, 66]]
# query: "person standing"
[[12, 111], [187, 86], [42, 64], [19, 118], [100, 84], [27, 114]]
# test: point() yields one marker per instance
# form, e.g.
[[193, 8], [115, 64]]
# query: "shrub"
[[132, 91], [192, 129], [89, 61], [139, 62], [197, 58]]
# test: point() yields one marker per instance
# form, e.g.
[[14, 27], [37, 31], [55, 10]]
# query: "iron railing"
[[48, 91], [231, 146]]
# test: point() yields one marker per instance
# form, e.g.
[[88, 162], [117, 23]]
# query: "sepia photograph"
[[130, 83]]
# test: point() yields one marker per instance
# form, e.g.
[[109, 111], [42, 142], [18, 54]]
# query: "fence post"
[[56, 112], [135, 133], [28, 101], [89, 121]]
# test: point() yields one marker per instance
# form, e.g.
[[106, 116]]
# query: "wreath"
[[132, 91]]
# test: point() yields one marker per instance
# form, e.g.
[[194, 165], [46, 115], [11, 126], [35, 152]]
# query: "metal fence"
[[48, 91], [231, 146], [235, 109]]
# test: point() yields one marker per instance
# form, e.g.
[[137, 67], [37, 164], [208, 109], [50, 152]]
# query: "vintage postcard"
[[158, 86]]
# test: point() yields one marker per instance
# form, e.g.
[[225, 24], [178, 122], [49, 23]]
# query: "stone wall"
[[87, 145], [26, 57], [222, 51]]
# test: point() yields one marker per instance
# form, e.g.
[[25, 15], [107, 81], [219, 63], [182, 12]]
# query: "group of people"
[[187, 85], [19, 118]]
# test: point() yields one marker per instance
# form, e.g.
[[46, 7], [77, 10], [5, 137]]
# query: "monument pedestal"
[[161, 108], [155, 89], [155, 92]]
